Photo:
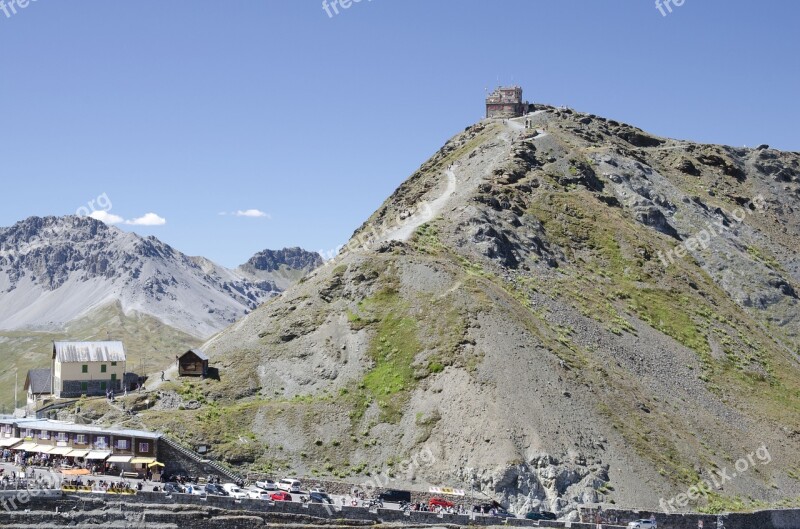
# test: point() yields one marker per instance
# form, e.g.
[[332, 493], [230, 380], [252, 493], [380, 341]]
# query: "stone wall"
[[157, 509], [72, 388], [774, 519]]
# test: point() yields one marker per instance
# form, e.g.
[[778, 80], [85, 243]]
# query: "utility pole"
[[16, 380]]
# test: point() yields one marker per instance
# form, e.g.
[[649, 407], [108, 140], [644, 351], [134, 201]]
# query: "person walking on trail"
[[162, 376]]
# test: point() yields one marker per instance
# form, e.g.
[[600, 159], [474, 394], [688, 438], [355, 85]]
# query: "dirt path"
[[154, 382], [426, 211]]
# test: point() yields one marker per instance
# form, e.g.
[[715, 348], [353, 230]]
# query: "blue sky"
[[191, 108]]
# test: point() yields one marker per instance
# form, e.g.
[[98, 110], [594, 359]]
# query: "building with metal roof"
[[89, 352], [38, 384], [133, 451], [87, 368], [193, 363]]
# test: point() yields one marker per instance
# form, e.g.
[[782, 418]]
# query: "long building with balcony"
[[82, 446]]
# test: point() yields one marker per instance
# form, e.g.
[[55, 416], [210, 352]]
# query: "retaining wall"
[[193, 511]]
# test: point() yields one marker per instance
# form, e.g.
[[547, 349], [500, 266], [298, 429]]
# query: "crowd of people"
[[439, 509]]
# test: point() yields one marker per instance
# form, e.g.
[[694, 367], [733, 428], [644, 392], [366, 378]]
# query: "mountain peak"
[[296, 258], [599, 294]]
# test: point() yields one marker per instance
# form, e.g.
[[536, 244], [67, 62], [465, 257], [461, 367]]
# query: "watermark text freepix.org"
[[717, 478], [10, 7], [23, 497], [102, 202], [331, 7], [703, 238], [665, 6], [406, 469]]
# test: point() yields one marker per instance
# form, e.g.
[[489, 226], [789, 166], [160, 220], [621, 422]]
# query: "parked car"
[[319, 496], [395, 496], [441, 502], [642, 524], [502, 513], [267, 484], [541, 515], [169, 488], [280, 496], [289, 485], [258, 495], [215, 490], [234, 491]]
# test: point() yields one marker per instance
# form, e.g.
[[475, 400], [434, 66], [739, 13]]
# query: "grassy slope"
[[150, 344]]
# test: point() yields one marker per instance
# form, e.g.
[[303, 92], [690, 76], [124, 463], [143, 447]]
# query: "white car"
[[642, 524], [267, 484], [234, 491], [258, 495], [290, 485]]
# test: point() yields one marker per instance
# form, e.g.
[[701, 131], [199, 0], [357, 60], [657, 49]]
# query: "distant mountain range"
[[54, 270]]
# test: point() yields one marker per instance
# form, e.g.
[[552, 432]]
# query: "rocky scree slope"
[[530, 336]]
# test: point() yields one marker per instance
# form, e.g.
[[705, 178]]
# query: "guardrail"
[[41, 412]]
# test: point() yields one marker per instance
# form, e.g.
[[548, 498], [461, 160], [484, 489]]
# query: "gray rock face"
[[295, 258], [281, 267]]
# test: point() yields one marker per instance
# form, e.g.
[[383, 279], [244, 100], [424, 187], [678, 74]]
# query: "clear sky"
[[192, 108]]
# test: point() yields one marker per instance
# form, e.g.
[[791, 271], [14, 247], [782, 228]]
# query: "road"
[[39, 477]]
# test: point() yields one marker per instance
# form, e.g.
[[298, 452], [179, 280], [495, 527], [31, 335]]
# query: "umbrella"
[[156, 464]]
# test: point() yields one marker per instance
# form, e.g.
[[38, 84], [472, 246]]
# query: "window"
[[122, 444], [61, 436], [100, 442], [113, 364], [80, 439], [28, 433], [103, 386], [113, 377], [144, 447], [84, 386], [85, 368], [103, 368], [44, 434]]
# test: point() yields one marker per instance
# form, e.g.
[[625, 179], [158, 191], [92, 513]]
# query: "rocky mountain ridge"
[[56, 269], [541, 309]]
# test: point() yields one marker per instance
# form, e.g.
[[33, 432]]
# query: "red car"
[[280, 496], [440, 502]]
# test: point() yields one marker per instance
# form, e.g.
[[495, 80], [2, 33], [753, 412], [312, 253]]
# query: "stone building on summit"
[[506, 102]]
